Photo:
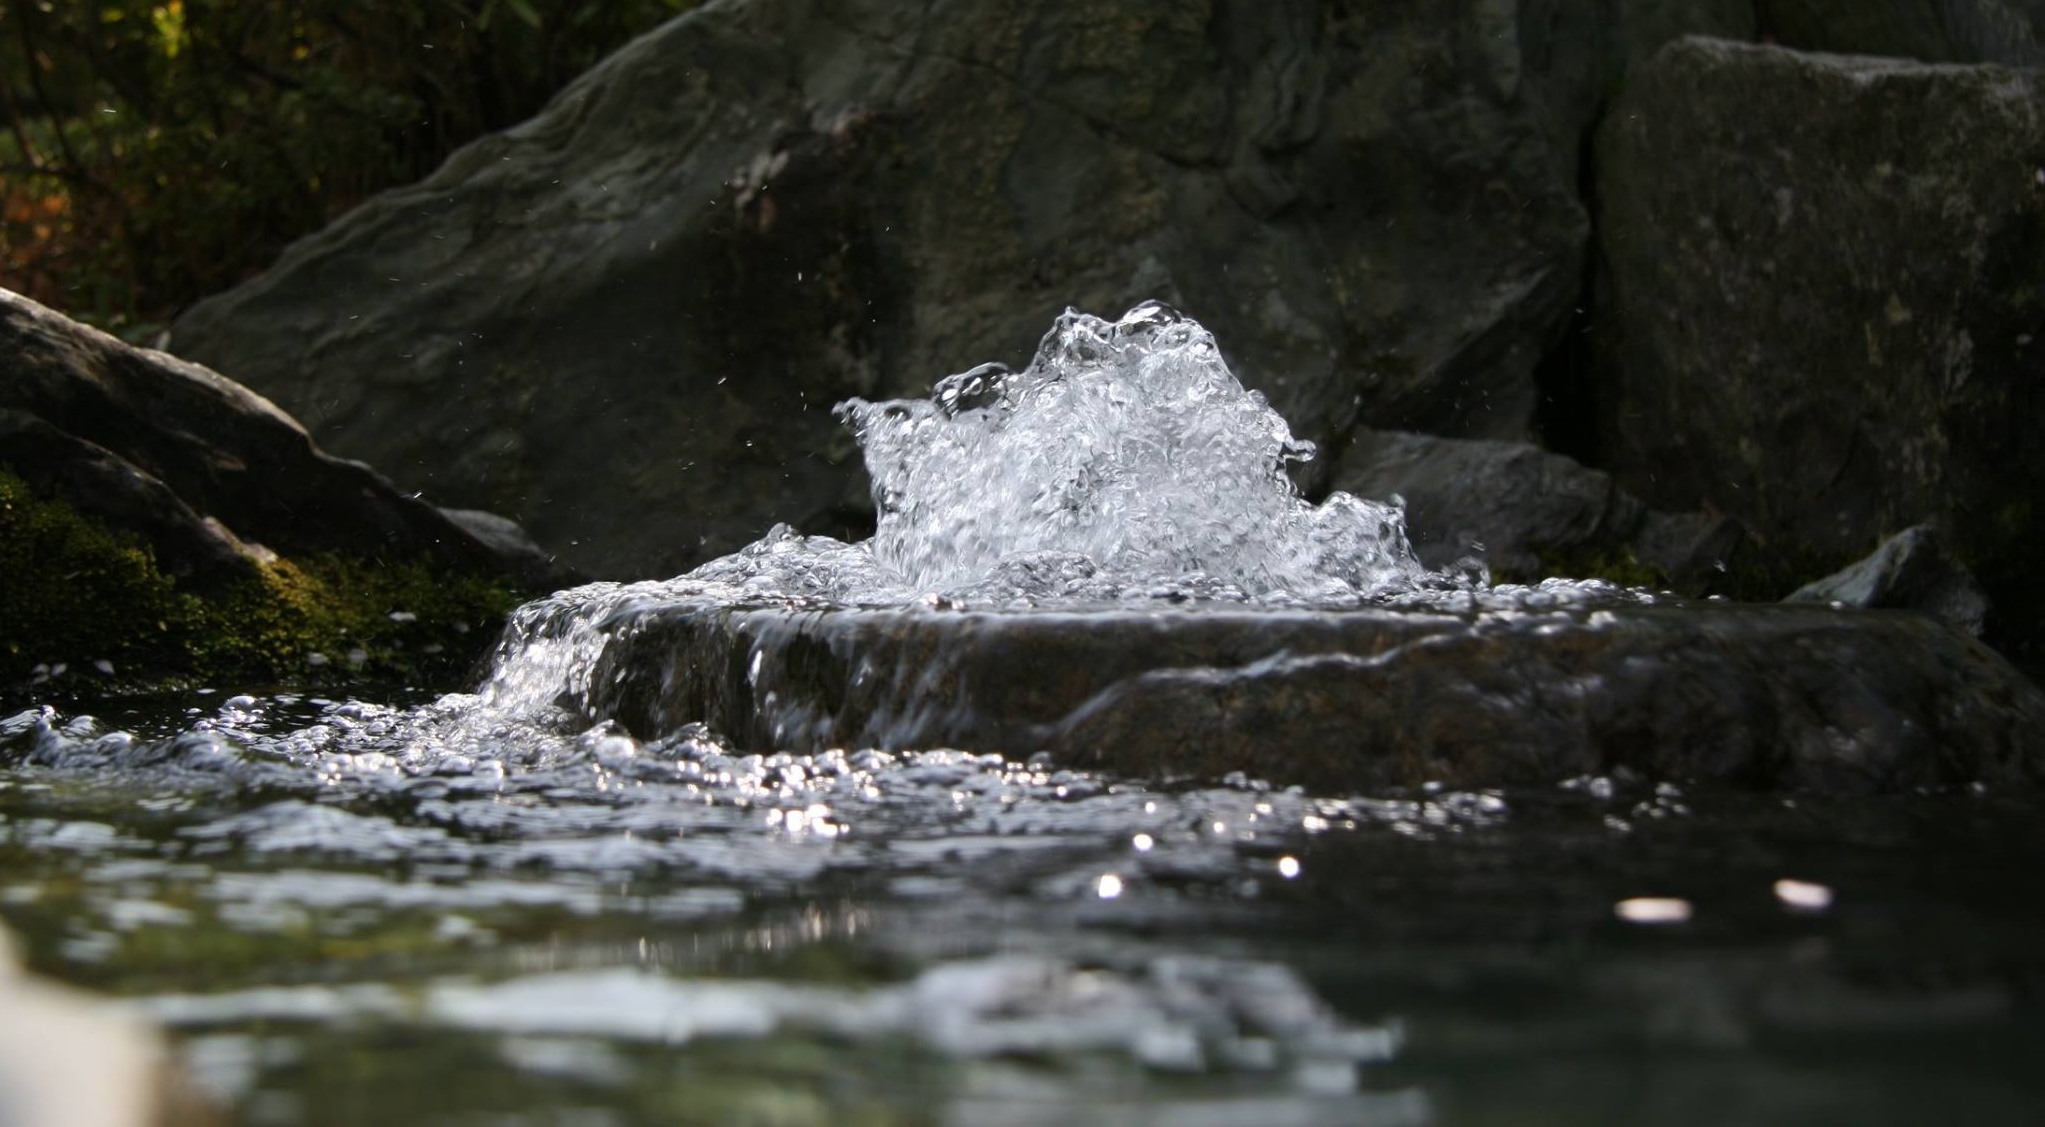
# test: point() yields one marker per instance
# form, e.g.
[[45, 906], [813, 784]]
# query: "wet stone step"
[[1785, 697]]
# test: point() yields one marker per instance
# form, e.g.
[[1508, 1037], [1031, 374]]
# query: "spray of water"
[[1125, 456]]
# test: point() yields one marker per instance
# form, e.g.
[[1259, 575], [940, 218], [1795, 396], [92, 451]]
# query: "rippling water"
[[344, 922]]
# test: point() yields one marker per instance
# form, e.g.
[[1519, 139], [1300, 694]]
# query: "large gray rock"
[[1529, 513], [1940, 31], [209, 474], [624, 321], [1824, 304], [1762, 696]]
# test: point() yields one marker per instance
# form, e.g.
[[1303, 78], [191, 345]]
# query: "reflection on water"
[[350, 912]]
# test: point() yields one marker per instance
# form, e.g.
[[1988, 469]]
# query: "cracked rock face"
[[624, 321], [1825, 306]]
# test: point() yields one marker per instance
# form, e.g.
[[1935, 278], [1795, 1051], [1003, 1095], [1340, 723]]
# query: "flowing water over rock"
[[1102, 556], [565, 898]]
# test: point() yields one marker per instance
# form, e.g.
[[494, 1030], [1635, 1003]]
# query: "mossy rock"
[[81, 600]]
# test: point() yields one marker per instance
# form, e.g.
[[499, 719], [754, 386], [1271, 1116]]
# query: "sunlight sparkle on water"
[[1803, 896], [1653, 910]]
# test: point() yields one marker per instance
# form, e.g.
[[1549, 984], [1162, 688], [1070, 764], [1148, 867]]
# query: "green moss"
[[75, 593]]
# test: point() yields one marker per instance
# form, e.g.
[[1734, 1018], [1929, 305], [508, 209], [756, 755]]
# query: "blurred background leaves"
[[156, 152]]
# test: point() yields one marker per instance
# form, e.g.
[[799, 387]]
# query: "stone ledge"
[[1758, 696]]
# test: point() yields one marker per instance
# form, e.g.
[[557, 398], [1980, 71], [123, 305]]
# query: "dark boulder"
[[625, 321], [1912, 570], [1823, 306], [1939, 31], [1529, 513], [212, 476]]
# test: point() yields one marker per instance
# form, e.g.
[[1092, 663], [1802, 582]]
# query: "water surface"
[[340, 924]]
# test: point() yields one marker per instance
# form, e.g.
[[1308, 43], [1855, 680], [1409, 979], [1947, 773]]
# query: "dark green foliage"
[[153, 153], [73, 592]]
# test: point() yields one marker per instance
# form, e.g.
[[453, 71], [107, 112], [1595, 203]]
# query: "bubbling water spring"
[[1126, 452]]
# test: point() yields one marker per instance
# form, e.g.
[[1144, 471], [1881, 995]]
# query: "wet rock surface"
[[1765, 697], [664, 281], [213, 477], [1823, 304]]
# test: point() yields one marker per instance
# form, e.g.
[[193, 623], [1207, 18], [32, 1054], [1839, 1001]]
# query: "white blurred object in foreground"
[[68, 1060]]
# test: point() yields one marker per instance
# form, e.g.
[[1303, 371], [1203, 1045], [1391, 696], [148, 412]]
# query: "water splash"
[[1125, 456]]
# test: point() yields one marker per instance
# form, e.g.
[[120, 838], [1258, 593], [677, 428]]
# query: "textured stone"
[[624, 321], [1824, 304], [1912, 570], [1767, 696], [537, 568], [1526, 512]]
